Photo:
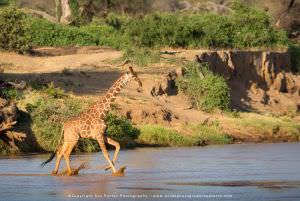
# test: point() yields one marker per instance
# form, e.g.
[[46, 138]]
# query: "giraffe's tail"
[[50, 159], [53, 153]]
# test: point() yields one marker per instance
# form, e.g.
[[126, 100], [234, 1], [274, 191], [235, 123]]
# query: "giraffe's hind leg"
[[117, 147], [67, 154]]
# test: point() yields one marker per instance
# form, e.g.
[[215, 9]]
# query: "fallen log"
[[8, 116]]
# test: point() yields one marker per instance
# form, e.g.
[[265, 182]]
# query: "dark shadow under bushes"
[[294, 50]]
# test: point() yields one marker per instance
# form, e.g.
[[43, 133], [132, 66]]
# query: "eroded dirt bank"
[[261, 85]]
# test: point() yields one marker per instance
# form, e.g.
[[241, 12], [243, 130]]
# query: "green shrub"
[[44, 33], [207, 92], [244, 27], [13, 33], [253, 28], [116, 21], [54, 92], [11, 94], [48, 113], [106, 35], [121, 130]]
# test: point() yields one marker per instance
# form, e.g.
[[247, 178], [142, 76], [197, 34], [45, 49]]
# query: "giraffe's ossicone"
[[91, 124]]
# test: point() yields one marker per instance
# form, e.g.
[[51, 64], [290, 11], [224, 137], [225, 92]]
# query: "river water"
[[268, 172]]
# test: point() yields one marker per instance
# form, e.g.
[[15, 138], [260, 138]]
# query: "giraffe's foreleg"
[[117, 147], [105, 153]]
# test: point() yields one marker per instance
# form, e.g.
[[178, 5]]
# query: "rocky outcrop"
[[166, 85], [8, 116], [146, 115], [256, 78]]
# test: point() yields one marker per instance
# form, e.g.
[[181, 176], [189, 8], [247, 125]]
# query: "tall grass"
[[198, 135], [271, 125]]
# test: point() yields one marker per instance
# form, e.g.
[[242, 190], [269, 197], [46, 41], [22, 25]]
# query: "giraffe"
[[91, 124]]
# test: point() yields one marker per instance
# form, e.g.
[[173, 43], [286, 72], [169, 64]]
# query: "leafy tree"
[[13, 31]]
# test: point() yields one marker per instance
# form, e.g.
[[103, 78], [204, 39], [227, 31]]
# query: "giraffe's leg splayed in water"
[[120, 172], [74, 171]]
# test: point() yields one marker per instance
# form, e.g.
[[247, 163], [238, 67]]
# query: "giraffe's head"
[[133, 76]]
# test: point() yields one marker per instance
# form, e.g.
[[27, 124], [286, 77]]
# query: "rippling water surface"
[[266, 172]]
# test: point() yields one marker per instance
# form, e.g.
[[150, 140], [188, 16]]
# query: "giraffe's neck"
[[104, 105]]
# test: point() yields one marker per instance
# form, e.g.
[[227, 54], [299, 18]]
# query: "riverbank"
[[63, 84]]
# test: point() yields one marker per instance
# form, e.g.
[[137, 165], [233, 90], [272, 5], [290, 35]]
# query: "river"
[[248, 172]]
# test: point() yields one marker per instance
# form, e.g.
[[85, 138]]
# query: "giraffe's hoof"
[[54, 173], [70, 173], [120, 172], [75, 172]]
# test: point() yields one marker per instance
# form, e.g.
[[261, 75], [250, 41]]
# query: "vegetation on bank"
[[46, 107], [271, 125], [13, 31], [206, 90], [43, 111], [199, 135], [243, 28]]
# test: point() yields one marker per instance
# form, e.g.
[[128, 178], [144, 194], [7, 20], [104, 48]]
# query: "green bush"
[[54, 92], [206, 90], [48, 113], [244, 27], [13, 33], [106, 35], [11, 94], [44, 33], [121, 130]]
